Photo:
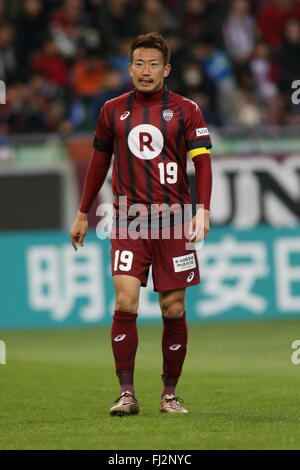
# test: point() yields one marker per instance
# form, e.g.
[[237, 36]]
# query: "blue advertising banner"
[[246, 274]]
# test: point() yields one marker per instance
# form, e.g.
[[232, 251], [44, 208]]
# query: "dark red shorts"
[[174, 265]]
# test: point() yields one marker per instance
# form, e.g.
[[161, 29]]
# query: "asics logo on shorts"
[[190, 277], [175, 347], [119, 338]]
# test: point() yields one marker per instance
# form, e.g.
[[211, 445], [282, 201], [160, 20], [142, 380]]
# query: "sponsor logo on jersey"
[[175, 347], [168, 114], [184, 263], [201, 131], [145, 141], [124, 115], [190, 277], [119, 338]]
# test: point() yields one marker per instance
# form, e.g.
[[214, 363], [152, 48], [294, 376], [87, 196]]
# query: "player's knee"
[[126, 303], [173, 310]]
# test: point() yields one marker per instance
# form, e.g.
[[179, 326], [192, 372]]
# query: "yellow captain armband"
[[199, 151]]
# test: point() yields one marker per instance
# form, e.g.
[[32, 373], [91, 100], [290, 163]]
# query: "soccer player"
[[150, 130]]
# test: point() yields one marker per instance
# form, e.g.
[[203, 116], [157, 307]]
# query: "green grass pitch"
[[239, 385]]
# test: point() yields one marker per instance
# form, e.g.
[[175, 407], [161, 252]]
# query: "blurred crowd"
[[62, 59]]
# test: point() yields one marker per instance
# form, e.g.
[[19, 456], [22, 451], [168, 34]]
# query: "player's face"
[[147, 70]]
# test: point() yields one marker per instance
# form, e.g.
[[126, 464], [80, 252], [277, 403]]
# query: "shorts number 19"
[[124, 257]]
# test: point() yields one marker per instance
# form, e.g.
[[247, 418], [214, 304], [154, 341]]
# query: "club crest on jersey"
[[168, 114], [124, 115]]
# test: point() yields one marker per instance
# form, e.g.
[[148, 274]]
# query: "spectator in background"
[[112, 87], [289, 62], [69, 26], [218, 69], [248, 112], [197, 87], [117, 19], [178, 54], [177, 7], [88, 75], [195, 19], [289, 56], [265, 72], [37, 70], [40, 91], [87, 78], [4, 16], [13, 117], [155, 17], [55, 120], [51, 63], [19, 115], [239, 31], [120, 62], [8, 62], [32, 107], [272, 17], [31, 27]]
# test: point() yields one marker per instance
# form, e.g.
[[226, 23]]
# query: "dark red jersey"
[[150, 136]]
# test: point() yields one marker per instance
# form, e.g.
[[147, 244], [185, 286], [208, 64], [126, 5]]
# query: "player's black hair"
[[152, 41]]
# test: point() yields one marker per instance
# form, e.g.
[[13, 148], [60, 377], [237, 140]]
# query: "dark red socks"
[[174, 342], [124, 340]]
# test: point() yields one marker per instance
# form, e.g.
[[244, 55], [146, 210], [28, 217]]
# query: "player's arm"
[[199, 145], [96, 173], [203, 179], [94, 179], [79, 229]]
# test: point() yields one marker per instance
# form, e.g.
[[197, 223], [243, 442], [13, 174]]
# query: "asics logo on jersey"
[[145, 141], [124, 115], [119, 338], [175, 347], [190, 277]]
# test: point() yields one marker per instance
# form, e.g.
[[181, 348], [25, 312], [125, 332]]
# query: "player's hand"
[[79, 230], [199, 226]]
